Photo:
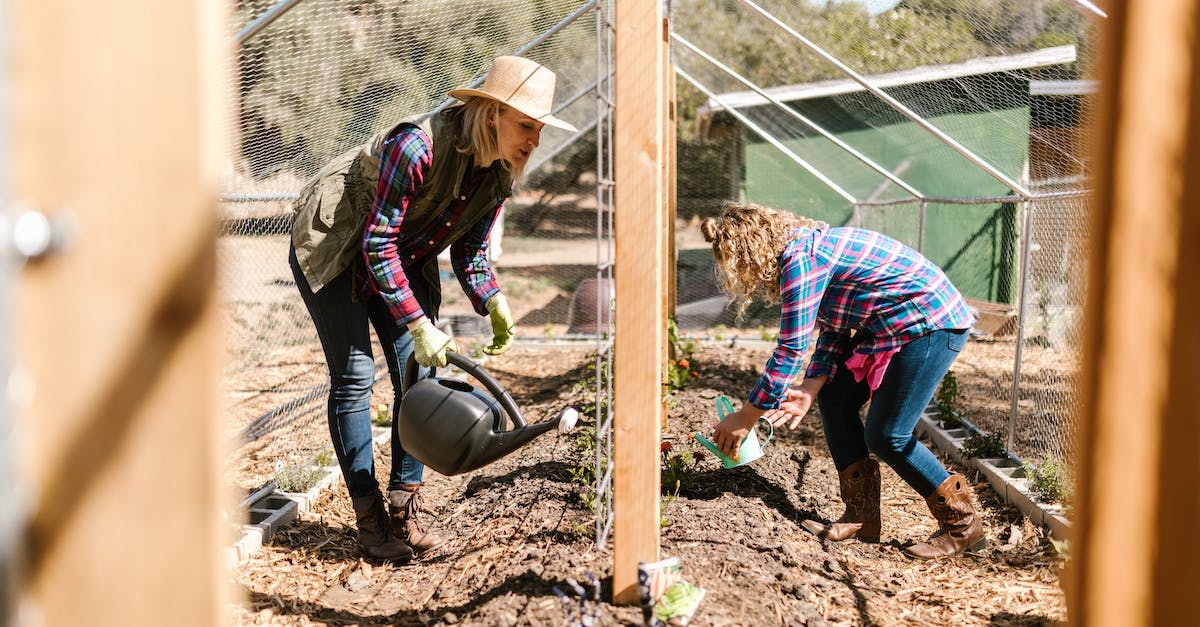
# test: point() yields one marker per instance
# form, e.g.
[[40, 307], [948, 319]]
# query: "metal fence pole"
[[921, 227], [263, 21], [1025, 244]]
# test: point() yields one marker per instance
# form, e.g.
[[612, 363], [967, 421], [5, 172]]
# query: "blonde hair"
[[747, 241], [480, 136]]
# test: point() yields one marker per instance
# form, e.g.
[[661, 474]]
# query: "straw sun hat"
[[521, 84]]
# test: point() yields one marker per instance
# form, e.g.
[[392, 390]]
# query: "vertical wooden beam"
[[1137, 506], [117, 119], [669, 168], [640, 318], [670, 259]]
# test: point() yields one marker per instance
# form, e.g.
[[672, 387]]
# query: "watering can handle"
[[476, 371]]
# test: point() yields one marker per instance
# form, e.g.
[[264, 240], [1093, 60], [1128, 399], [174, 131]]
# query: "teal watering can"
[[750, 448], [454, 427]]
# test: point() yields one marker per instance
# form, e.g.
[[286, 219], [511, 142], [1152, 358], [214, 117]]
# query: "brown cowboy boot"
[[404, 505], [959, 528], [374, 534], [859, 484]]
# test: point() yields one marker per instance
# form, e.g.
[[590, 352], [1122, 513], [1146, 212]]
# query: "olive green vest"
[[330, 214]]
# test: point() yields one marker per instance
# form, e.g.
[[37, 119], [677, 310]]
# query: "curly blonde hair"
[[747, 241]]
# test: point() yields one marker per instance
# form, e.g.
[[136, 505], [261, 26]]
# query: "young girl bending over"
[[889, 324]]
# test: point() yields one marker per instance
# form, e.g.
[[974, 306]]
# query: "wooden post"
[[640, 318], [1137, 507], [116, 119], [672, 259]]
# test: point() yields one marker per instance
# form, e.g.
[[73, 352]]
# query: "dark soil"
[[520, 528]]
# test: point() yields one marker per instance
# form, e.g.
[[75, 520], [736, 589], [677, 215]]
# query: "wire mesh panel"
[[324, 77], [943, 123]]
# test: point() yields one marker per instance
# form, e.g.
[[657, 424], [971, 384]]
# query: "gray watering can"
[[454, 427]]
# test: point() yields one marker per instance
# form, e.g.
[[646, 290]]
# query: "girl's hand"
[[730, 432], [796, 404]]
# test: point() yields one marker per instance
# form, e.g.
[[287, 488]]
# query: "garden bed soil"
[[520, 528]]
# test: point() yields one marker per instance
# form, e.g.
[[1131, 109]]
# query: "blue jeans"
[[912, 377], [342, 325]]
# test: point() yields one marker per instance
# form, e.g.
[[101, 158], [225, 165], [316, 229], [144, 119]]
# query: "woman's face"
[[517, 135]]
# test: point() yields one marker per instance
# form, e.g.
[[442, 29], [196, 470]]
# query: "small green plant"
[[382, 416], [682, 367], [1062, 547], [984, 446], [296, 477], [325, 458], [680, 473], [680, 470], [665, 521], [718, 332], [946, 403], [766, 334], [548, 331], [585, 473], [1049, 481]]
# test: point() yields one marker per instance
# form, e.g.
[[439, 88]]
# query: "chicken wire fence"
[[948, 124], [951, 125], [318, 77]]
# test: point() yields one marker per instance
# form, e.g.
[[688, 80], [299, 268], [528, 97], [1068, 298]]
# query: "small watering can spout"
[[453, 427]]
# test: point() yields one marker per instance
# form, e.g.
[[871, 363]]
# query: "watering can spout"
[[504, 442], [453, 427]]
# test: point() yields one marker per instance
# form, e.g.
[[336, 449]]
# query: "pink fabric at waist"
[[870, 366]]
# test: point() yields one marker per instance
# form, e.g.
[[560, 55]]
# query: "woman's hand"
[[796, 404], [730, 432]]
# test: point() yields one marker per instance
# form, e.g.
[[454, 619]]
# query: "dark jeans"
[[911, 379], [342, 324]]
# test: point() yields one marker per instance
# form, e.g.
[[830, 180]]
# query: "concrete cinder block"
[[1005, 475]]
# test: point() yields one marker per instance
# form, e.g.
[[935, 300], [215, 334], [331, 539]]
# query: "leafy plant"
[[296, 477], [325, 458], [665, 521], [984, 446], [1049, 481], [682, 367], [1062, 547], [382, 416], [585, 473], [680, 471], [946, 403]]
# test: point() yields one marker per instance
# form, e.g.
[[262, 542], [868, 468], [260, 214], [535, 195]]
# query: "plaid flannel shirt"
[[844, 281], [390, 251]]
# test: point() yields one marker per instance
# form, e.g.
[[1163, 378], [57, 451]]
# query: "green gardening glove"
[[502, 325], [430, 345]]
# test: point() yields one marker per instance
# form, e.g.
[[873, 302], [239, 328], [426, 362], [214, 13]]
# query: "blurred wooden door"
[[115, 119], [1136, 540]]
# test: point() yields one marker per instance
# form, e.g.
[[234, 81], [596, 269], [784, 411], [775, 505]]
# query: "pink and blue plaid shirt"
[[845, 281], [390, 251]]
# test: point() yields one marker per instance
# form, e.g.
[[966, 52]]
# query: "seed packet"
[[666, 598]]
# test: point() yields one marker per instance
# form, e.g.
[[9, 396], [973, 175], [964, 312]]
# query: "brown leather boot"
[[404, 507], [859, 484], [374, 534], [959, 528]]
